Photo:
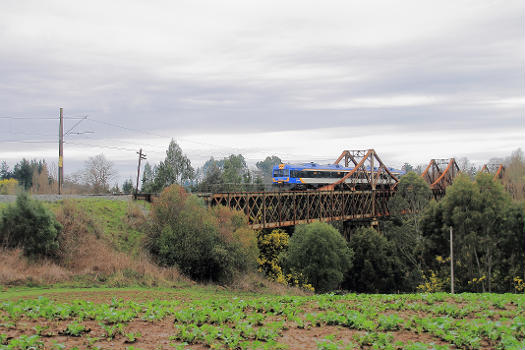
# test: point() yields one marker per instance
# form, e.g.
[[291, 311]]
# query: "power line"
[[28, 141], [101, 146], [38, 118], [158, 135]]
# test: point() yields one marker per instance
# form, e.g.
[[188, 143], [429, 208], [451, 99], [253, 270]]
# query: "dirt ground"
[[156, 335]]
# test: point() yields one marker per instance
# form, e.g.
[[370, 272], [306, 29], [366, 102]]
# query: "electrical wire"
[[158, 135], [38, 118], [101, 146], [27, 141]]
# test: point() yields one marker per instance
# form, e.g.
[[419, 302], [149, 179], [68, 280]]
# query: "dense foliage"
[[205, 244], [29, 225], [228, 174], [376, 267], [404, 228], [488, 234], [320, 253]]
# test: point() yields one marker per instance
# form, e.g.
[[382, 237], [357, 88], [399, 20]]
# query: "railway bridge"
[[347, 200]]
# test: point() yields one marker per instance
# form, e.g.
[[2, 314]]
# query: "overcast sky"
[[303, 80]]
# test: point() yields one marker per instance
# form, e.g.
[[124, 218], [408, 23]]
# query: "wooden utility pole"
[[141, 157], [451, 262], [61, 152]]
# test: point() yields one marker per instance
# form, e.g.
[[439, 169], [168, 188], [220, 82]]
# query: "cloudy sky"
[[300, 79]]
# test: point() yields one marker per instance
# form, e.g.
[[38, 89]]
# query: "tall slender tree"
[[175, 169]]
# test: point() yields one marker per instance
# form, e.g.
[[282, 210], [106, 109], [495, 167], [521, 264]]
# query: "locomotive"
[[312, 176]]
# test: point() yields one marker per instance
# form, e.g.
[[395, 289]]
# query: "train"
[[311, 175]]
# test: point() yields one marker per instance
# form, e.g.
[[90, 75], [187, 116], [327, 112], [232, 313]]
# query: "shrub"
[[31, 226], [8, 186], [320, 254], [376, 267], [203, 243], [271, 245]]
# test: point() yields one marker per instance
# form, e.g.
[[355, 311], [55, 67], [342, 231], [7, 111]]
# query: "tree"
[[4, 171], [212, 176], [319, 253], [175, 169], [205, 244], [98, 173], [511, 262], [514, 177], [266, 166], [466, 167], [376, 268], [404, 227], [476, 211], [127, 186], [148, 179], [407, 168], [41, 181], [236, 172], [23, 172]]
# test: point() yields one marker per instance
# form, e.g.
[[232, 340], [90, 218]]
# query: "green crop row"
[[465, 321]]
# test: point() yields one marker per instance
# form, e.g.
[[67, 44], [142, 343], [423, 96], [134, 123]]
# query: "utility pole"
[[451, 262], [141, 157], [61, 152]]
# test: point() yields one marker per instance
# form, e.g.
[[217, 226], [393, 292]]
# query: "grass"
[[120, 222]]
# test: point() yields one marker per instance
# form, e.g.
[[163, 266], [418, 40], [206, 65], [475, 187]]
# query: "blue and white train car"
[[312, 175]]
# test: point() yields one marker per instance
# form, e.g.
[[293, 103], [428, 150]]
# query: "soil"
[[156, 335]]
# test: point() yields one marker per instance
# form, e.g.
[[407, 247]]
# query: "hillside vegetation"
[[178, 239], [100, 244]]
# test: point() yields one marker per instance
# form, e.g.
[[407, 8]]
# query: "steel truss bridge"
[[347, 200]]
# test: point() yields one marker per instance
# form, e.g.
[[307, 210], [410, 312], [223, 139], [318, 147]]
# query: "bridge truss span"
[[289, 208]]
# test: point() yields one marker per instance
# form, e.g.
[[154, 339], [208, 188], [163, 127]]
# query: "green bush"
[[29, 225], [320, 254], [204, 244], [376, 267]]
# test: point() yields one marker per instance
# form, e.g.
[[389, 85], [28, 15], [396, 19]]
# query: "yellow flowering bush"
[[271, 244], [432, 284], [8, 186], [519, 285]]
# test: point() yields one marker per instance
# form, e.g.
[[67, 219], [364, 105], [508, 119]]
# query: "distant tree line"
[[230, 173]]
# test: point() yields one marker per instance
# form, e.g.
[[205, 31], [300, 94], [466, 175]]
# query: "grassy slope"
[[113, 219]]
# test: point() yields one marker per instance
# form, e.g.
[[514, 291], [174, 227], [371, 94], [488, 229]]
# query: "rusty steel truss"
[[439, 174], [367, 165], [497, 169], [289, 208]]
